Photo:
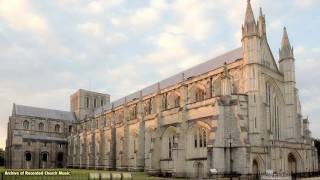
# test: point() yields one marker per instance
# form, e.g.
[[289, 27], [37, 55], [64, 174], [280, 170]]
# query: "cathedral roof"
[[42, 112], [202, 68]]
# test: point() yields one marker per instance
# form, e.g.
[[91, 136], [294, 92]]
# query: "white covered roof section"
[[202, 68]]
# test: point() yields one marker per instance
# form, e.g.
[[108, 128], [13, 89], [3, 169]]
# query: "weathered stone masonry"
[[238, 112]]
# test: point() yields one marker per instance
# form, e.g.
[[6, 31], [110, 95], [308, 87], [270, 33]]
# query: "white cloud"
[[169, 46], [276, 24], [21, 16], [95, 30], [116, 38], [145, 17], [237, 38], [95, 6], [92, 7], [90, 28], [99, 6], [304, 3], [194, 19], [142, 18], [307, 75]]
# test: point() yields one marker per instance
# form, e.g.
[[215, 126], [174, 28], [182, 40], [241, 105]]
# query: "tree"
[[1, 157]]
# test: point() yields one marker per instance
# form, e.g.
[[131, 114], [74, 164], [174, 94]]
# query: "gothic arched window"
[[44, 156], [28, 156], [165, 101], [171, 142], [173, 100], [120, 117], [200, 136], [204, 136], [170, 147], [195, 138], [26, 124], [199, 95], [95, 103], [41, 126], [87, 103], [148, 107], [133, 112], [168, 142], [57, 128], [200, 139]]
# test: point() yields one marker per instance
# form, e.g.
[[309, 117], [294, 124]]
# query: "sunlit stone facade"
[[238, 112]]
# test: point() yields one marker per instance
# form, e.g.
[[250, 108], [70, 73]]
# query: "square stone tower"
[[84, 102]]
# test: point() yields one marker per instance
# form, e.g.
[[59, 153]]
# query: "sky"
[[49, 49]]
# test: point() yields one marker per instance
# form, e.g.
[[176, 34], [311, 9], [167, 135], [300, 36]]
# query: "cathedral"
[[236, 113]]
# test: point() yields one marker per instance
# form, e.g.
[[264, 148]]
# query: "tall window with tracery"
[[133, 112], [26, 124], [204, 136], [173, 100], [120, 117], [164, 101], [87, 104], [177, 101], [41, 126], [199, 95], [200, 139], [171, 142], [200, 135], [170, 148], [134, 144], [148, 107], [57, 128]]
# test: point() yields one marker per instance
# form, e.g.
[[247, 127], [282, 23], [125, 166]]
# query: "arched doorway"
[[169, 142], [28, 156], [292, 163], [44, 159], [60, 160], [255, 167], [28, 159]]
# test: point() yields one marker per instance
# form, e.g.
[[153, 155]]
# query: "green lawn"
[[76, 174]]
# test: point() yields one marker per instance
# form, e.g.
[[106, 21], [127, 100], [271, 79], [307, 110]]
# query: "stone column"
[[113, 143], [70, 147], [93, 145], [141, 136], [77, 155], [126, 157], [180, 146], [219, 151], [156, 152], [102, 148]]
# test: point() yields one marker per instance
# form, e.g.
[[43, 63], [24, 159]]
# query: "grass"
[[76, 174]]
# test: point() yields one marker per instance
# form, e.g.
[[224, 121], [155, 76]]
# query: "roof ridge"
[[35, 107], [201, 68], [32, 111]]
